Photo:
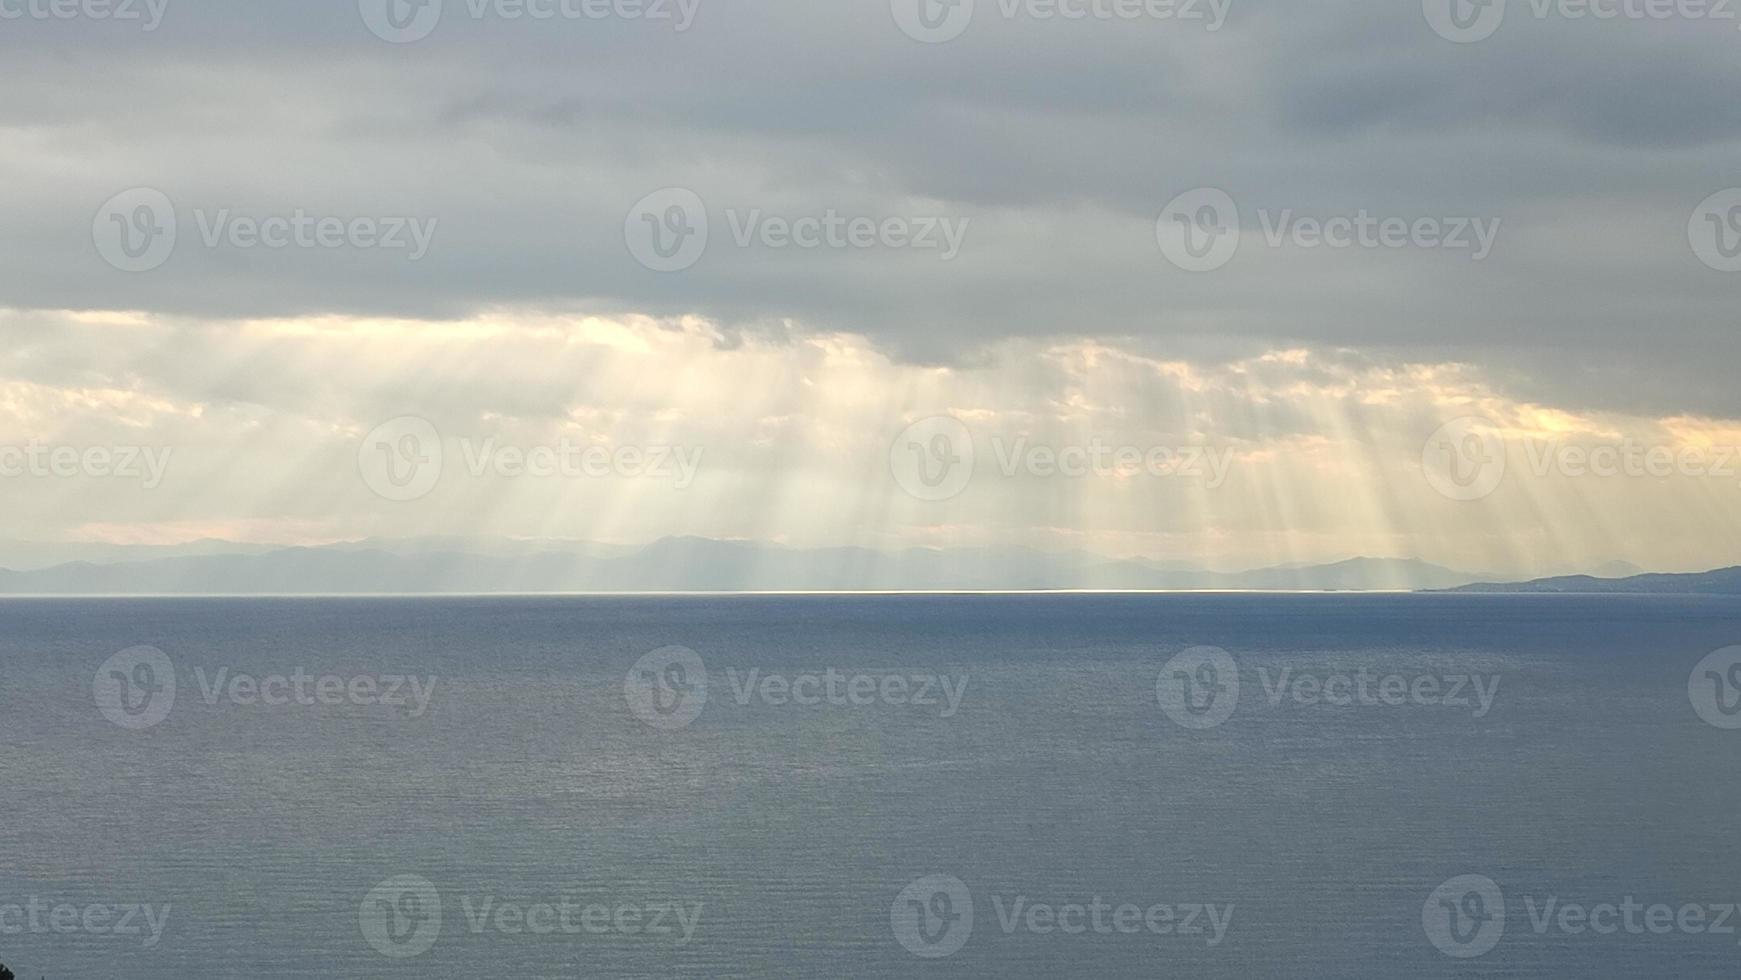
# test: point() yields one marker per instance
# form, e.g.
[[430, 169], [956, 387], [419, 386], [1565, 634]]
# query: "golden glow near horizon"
[[1294, 454]]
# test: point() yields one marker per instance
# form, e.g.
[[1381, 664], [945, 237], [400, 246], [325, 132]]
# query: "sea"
[[814, 786]]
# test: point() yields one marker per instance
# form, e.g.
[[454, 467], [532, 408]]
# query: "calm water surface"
[[541, 771]]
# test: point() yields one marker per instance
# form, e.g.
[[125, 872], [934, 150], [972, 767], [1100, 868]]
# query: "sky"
[[1237, 282]]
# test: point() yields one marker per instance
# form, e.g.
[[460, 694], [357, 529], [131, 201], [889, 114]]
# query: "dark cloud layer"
[[1058, 142]]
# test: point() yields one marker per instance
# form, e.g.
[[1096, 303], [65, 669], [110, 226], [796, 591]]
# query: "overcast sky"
[[782, 232]]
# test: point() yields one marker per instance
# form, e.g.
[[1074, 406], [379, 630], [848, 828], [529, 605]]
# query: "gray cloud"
[[1059, 142]]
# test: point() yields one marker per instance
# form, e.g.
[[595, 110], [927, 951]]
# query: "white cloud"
[[1320, 452]]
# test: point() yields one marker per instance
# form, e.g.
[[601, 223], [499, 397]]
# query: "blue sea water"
[[1082, 820]]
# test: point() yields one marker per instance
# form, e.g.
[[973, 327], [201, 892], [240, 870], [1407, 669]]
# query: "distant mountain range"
[[434, 565], [1720, 581], [456, 565]]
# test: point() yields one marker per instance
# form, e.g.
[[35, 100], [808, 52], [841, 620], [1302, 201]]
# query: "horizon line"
[[753, 593]]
